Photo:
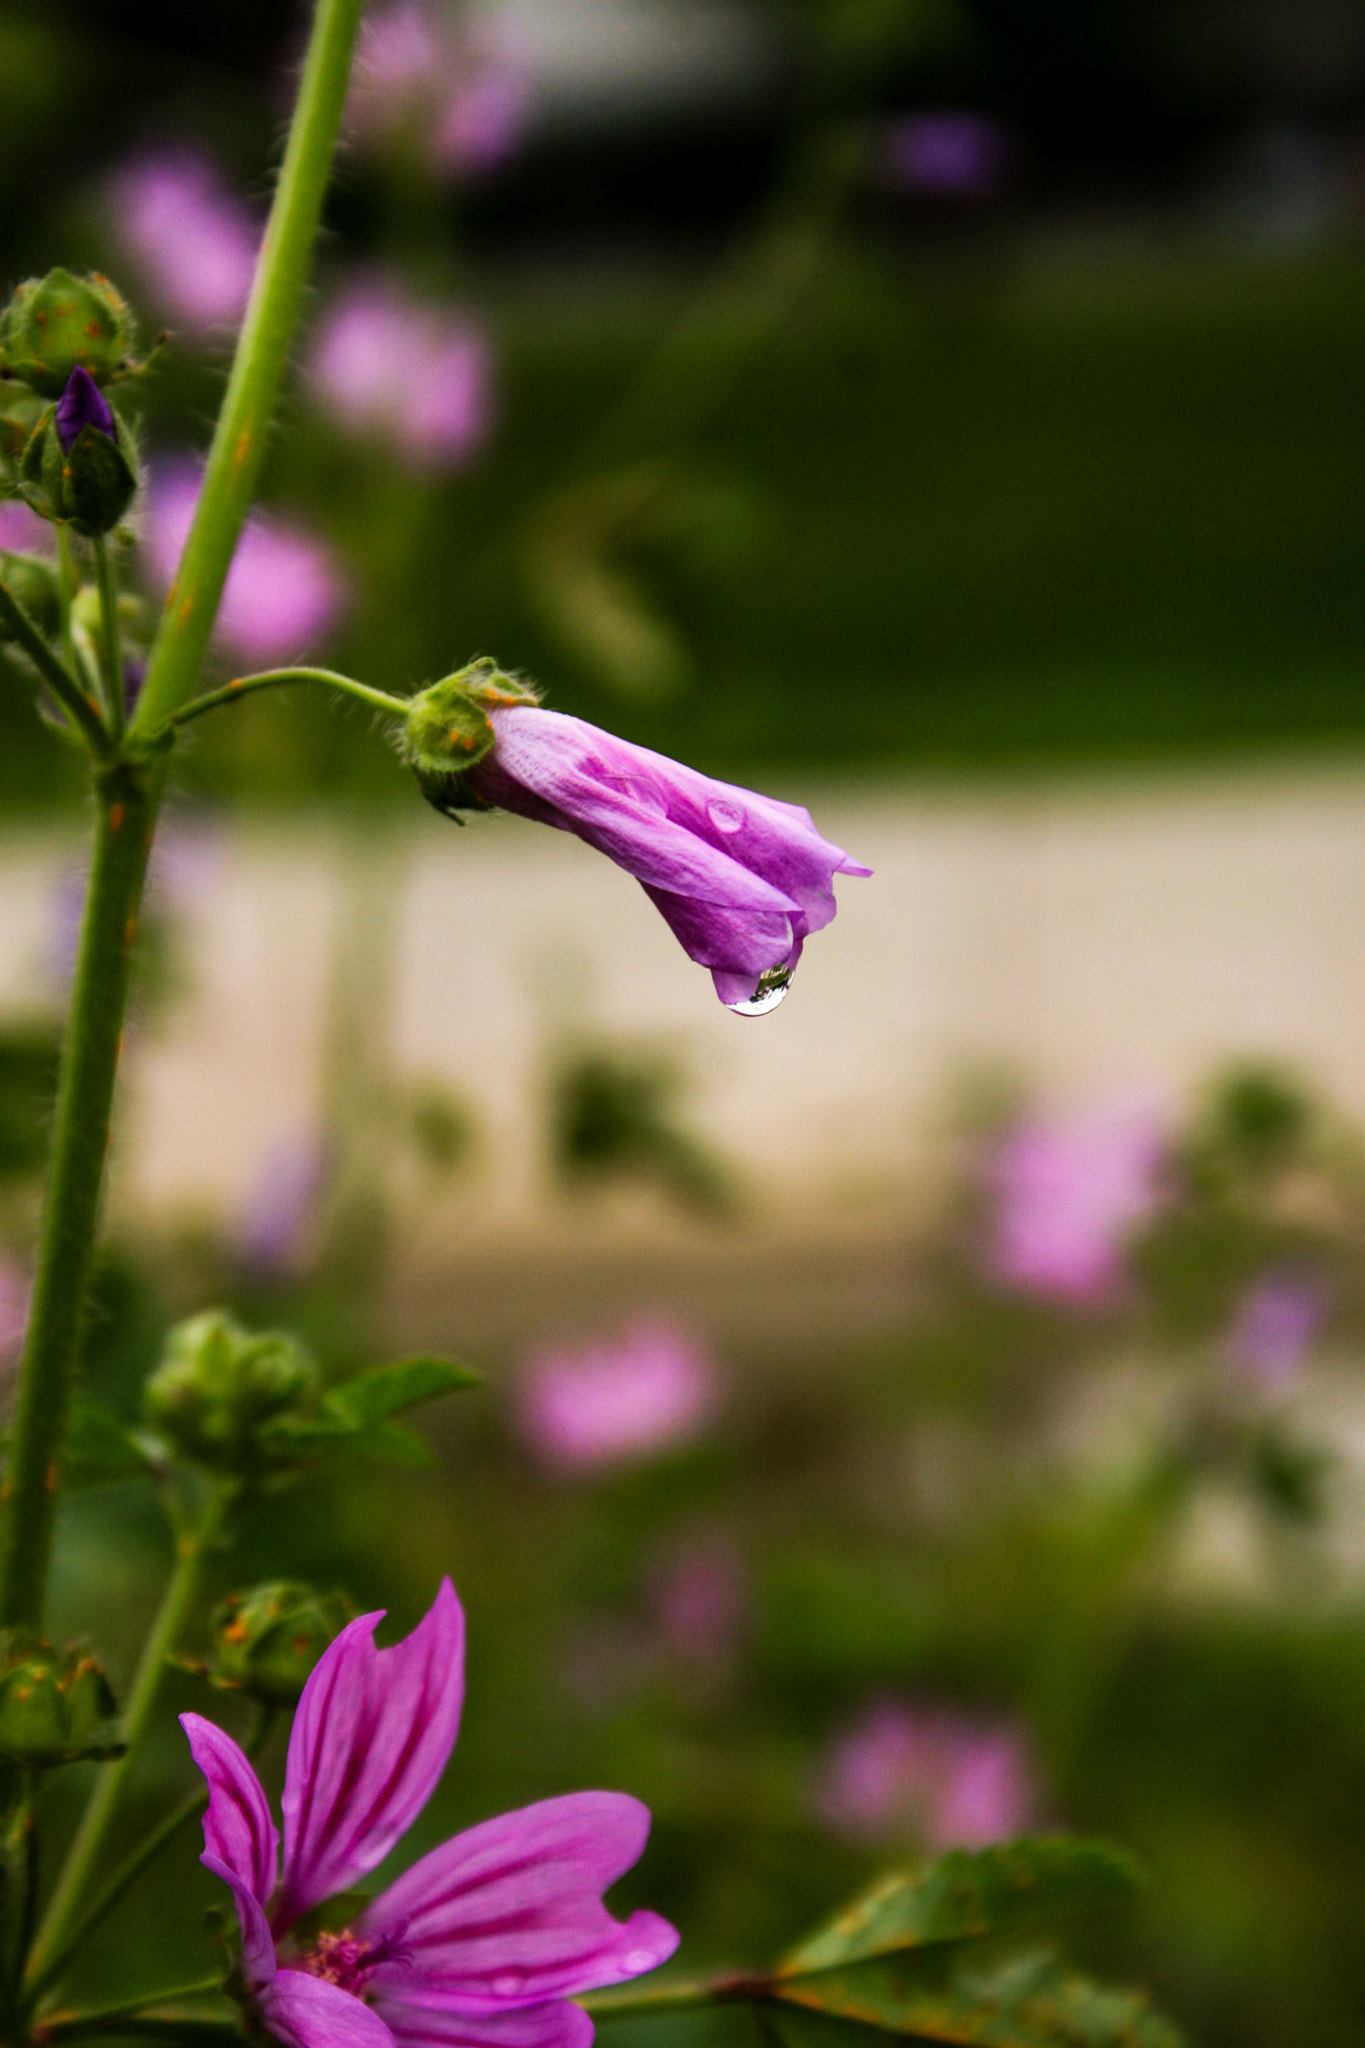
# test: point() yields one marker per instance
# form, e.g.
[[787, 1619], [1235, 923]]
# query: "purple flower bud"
[[616, 1401], [81, 405], [284, 591], [940, 1779], [195, 241], [947, 154]]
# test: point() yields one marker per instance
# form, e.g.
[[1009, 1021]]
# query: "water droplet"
[[772, 990], [508, 1983], [725, 817]]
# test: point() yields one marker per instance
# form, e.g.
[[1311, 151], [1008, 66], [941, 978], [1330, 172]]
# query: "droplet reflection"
[[724, 816], [772, 990]]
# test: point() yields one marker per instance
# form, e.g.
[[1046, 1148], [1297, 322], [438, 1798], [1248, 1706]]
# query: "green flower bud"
[[55, 323], [88, 477], [34, 582], [266, 1641], [54, 1707], [447, 729], [218, 1386]]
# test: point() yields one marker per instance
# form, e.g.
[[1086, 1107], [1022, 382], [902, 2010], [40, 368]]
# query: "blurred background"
[[937, 1409]]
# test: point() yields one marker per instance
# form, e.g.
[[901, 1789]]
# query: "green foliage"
[[55, 1707], [966, 1896], [267, 1640], [613, 1116]]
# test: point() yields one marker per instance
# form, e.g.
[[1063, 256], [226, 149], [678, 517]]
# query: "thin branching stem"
[[277, 678]]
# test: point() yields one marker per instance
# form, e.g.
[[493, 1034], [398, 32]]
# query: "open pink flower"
[[193, 238], [742, 880], [420, 375], [946, 1780], [483, 1942], [618, 1400]]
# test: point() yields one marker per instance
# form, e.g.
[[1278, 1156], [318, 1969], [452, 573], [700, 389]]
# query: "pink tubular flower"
[[947, 1781], [419, 375], [1066, 1197], [618, 1401], [483, 1942], [742, 880], [195, 241], [284, 590]]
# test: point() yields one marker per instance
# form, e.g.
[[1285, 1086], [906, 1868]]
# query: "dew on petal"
[[772, 990], [725, 817]]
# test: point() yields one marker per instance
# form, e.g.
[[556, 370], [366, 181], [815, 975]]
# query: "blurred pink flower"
[[22, 532], [14, 1295], [698, 1596], [1276, 1323], [616, 1401], [1066, 1196], [284, 590], [456, 91], [193, 238], [275, 1231], [941, 1779], [419, 375], [947, 153]]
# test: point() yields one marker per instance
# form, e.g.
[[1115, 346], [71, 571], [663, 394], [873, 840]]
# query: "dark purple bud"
[[133, 674], [82, 405]]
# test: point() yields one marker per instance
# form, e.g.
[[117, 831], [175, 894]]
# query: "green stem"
[[190, 1807], [243, 686], [65, 2026], [127, 802], [111, 655], [180, 1596], [59, 680], [257, 372], [66, 590]]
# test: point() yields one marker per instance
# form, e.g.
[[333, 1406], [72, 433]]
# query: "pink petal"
[[511, 1913], [238, 1830], [258, 1948], [371, 1737], [308, 2012], [554, 2025]]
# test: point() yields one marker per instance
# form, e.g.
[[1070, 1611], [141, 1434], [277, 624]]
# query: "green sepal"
[[448, 731], [33, 581], [53, 323], [55, 1707], [101, 1450], [220, 1388], [967, 1896], [267, 1640]]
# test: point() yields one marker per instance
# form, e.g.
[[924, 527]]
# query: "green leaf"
[[1032, 2001], [100, 1450], [965, 1896], [388, 1389]]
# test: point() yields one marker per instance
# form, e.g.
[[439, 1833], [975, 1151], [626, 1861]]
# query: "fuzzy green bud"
[[54, 1706], [448, 730], [266, 1641], [55, 323], [34, 582], [218, 1386]]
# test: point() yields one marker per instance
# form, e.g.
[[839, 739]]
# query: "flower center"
[[349, 1961]]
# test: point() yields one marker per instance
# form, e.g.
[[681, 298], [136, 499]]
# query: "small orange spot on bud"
[[96, 329], [235, 1632], [117, 815]]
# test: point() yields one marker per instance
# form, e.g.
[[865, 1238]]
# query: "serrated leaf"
[[388, 1389], [965, 1896], [1028, 2002]]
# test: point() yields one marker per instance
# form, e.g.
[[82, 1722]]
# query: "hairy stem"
[[66, 590], [257, 371], [63, 684], [275, 678], [85, 1094], [180, 1595], [111, 654]]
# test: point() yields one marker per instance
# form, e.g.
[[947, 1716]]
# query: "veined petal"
[[737, 941], [371, 1737], [238, 1829], [556, 2024], [511, 1913], [308, 2012], [258, 1947]]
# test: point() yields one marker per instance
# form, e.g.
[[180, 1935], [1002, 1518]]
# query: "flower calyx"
[[219, 1388], [58, 323], [33, 580], [448, 730], [55, 1706], [81, 462], [267, 1640]]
